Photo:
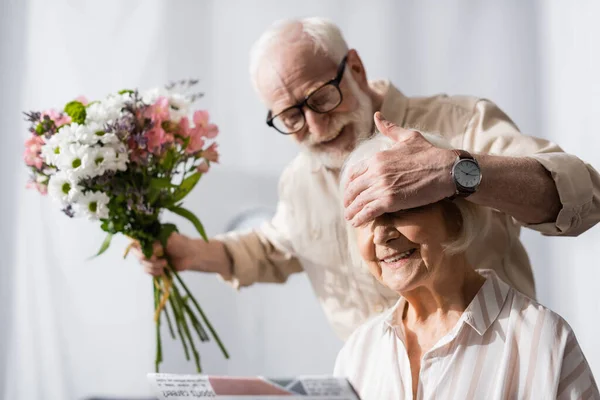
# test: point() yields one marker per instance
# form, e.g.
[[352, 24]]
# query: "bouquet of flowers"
[[121, 161]]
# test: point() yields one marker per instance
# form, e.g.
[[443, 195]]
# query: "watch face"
[[467, 174]]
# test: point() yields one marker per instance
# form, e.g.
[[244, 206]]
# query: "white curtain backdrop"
[[73, 328]]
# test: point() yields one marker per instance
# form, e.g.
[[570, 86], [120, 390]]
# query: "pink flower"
[[211, 154], [201, 121], [195, 136], [159, 111], [59, 118], [184, 127], [157, 137], [203, 168], [40, 187], [196, 141], [83, 100], [33, 151]]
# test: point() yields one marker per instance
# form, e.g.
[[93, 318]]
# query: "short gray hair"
[[474, 218], [324, 34]]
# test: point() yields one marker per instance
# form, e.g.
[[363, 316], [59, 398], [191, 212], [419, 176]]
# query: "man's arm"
[[518, 186], [531, 179]]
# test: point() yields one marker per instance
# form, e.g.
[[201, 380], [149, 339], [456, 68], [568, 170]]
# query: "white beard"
[[362, 121]]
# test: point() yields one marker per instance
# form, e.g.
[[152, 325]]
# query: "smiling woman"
[[455, 332], [469, 220]]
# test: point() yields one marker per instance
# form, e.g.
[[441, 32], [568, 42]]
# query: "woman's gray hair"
[[474, 218]]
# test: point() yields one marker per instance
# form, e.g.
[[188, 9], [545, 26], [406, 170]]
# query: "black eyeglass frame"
[[335, 82]]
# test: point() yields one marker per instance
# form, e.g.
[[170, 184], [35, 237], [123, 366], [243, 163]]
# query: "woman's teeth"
[[399, 257]]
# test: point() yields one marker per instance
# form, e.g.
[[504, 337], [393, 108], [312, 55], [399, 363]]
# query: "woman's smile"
[[399, 259]]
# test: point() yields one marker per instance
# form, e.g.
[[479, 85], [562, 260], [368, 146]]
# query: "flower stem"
[[176, 314], [158, 358], [206, 321], [164, 309], [196, 324], [187, 330]]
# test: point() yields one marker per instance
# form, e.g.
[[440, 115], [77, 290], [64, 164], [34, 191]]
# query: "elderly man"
[[317, 92]]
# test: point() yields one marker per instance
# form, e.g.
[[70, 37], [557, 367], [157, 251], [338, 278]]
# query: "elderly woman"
[[455, 332]]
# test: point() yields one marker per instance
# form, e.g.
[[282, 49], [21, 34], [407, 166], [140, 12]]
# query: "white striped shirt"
[[504, 346]]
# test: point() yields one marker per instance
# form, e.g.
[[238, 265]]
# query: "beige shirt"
[[308, 231], [504, 346]]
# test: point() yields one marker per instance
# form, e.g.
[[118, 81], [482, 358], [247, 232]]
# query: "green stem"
[[197, 325], [206, 321], [186, 329], [172, 303], [158, 358], [169, 320]]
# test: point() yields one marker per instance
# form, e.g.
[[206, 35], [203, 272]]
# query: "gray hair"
[[324, 34], [474, 218]]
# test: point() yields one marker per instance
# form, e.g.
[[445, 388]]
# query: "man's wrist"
[[227, 267], [447, 181]]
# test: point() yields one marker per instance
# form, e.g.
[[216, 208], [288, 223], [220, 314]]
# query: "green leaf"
[[168, 161], [125, 91], [161, 183], [105, 245], [165, 231], [187, 214], [76, 110], [147, 248], [186, 186]]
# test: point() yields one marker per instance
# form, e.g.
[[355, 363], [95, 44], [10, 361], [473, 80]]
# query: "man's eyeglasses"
[[323, 100]]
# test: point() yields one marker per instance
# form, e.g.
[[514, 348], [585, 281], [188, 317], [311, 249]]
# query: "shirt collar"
[[480, 314], [389, 317], [483, 311]]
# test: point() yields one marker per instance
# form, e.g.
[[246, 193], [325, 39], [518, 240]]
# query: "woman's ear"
[[452, 217]]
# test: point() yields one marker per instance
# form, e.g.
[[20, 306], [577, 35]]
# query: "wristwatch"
[[466, 174]]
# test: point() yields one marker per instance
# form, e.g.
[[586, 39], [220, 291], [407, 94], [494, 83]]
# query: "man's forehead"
[[292, 71]]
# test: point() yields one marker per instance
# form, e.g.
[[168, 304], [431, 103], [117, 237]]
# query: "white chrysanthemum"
[[61, 188], [179, 104], [108, 110], [101, 159], [71, 161], [50, 151], [122, 159], [93, 132], [150, 96], [54, 146], [179, 107], [92, 205]]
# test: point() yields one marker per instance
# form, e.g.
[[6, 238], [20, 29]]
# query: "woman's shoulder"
[[373, 330], [360, 351], [536, 317]]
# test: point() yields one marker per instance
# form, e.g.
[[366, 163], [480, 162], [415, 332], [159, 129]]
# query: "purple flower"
[[68, 210]]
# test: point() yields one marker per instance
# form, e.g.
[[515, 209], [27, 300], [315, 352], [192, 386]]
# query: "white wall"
[[84, 327]]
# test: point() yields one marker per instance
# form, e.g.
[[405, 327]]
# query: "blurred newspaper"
[[185, 387]]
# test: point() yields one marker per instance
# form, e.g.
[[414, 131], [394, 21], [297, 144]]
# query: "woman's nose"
[[383, 233]]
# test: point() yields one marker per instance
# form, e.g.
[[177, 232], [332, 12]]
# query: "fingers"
[[355, 183], [154, 268], [390, 129], [369, 212], [357, 195], [157, 250], [382, 123], [154, 265]]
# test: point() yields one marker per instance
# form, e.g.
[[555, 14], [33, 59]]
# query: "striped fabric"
[[505, 346]]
